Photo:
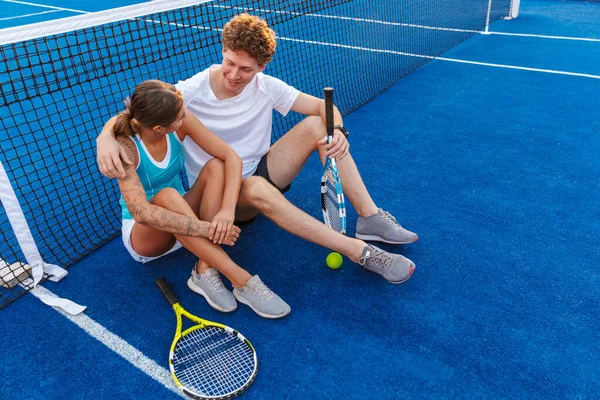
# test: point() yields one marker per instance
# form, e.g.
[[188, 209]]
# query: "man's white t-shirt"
[[244, 122]]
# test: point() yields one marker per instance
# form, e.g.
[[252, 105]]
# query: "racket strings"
[[333, 203], [213, 362]]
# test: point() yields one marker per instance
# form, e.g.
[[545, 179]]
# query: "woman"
[[159, 217]]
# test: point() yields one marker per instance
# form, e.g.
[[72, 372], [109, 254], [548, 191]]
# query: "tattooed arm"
[[148, 214]]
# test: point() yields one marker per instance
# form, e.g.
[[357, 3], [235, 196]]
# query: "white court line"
[[434, 28], [354, 19], [544, 36], [46, 6], [547, 71], [121, 347], [28, 15], [455, 60], [400, 53]]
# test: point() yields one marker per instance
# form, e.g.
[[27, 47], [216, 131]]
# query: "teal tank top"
[[156, 176]]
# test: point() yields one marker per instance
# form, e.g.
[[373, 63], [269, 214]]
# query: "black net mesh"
[[57, 91]]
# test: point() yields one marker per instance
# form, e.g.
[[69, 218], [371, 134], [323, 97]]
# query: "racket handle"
[[166, 291], [329, 123]]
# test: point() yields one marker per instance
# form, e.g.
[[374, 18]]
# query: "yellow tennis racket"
[[208, 360]]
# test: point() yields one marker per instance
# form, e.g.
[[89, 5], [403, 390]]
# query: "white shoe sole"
[[374, 238], [270, 316], [196, 289], [402, 281]]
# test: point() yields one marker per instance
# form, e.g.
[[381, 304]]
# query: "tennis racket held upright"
[[332, 196]]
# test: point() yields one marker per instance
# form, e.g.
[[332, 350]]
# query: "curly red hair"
[[251, 34]]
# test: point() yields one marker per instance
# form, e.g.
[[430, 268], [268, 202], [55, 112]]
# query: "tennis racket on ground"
[[208, 360], [332, 196]]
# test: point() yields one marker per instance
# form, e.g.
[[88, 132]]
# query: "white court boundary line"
[[400, 53], [547, 71], [28, 15], [121, 347], [544, 36], [455, 60], [402, 24], [342, 18], [46, 6], [89, 19]]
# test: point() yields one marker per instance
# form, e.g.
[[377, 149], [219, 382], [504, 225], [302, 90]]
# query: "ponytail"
[[123, 123]]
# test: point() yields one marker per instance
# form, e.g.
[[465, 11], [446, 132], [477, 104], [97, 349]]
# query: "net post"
[[487, 18], [514, 9]]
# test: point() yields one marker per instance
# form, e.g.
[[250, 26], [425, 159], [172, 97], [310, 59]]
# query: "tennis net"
[[61, 80]]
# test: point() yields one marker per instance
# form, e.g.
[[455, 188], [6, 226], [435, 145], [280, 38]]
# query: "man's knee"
[[311, 129], [314, 127], [258, 193]]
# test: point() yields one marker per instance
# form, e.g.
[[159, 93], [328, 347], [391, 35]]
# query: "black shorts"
[[263, 172]]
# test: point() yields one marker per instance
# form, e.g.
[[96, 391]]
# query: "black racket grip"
[[166, 290], [329, 111]]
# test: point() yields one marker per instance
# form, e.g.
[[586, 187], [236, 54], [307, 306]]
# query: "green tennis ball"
[[334, 260]]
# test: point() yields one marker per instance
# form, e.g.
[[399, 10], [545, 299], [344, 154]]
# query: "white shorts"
[[126, 228]]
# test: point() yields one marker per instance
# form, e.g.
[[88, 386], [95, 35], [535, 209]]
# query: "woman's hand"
[[222, 230]]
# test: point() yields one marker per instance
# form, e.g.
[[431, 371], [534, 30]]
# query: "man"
[[235, 100]]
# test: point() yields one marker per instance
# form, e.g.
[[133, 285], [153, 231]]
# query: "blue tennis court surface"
[[16, 12], [488, 153]]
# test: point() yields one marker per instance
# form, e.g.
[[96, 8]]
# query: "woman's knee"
[[214, 168], [169, 198]]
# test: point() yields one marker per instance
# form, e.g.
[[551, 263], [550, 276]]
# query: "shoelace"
[[376, 259], [262, 291], [215, 283], [390, 217]]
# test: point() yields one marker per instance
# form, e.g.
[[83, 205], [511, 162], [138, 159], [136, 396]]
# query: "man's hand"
[[339, 146], [110, 154], [222, 230]]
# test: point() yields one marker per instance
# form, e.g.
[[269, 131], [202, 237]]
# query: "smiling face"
[[238, 69]]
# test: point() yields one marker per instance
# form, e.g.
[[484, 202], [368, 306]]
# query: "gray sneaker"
[[383, 227], [261, 299], [393, 267], [210, 286]]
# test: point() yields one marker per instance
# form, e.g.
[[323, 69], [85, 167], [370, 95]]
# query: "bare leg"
[[206, 195], [151, 242], [258, 194], [287, 157]]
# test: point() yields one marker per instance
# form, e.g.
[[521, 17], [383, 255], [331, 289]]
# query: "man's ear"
[[261, 69]]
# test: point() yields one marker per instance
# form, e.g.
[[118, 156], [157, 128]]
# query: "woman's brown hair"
[[152, 103]]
